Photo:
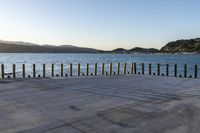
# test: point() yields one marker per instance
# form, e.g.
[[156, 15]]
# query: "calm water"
[[66, 59]]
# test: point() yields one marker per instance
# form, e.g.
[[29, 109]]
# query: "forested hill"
[[190, 45], [29, 48]]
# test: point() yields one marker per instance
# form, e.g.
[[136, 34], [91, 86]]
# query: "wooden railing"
[[118, 71]]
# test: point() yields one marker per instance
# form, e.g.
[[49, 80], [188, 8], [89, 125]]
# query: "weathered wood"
[[2, 71], [125, 68], [135, 68], [118, 68], [167, 69], [87, 69], [132, 68], [52, 70], [34, 70], [71, 69], [23, 71], [14, 71], [158, 69], [175, 70], [103, 67], [185, 70], [44, 70], [195, 71], [79, 71], [95, 69], [110, 68], [149, 68], [143, 68], [61, 70]]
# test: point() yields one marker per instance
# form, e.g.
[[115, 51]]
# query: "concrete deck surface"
[[120, 104]]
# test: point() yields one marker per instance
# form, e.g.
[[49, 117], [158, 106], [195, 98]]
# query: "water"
[[23, 58]]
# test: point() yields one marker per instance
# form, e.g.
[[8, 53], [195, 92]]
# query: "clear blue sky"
[[102, 24]]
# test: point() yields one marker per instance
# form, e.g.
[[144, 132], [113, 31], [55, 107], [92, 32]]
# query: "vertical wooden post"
[[175, 70], [132, 68], [142, 68], [149, 68], [71, 69], [95, 69], [2, 71], [52, 70], [61, 70], [103, 66], [185, 70], [44, 69], [167, 69], [79, 71], [158, 69], [87, 69], [195, 71], [118, 68], [23, 71], [135, 68], [14, 71], [125, 68], [34, 70], [110, 68]]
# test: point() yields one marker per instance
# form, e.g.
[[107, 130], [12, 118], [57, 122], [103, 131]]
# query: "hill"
[[143, 50], [16, 47], [120, 50], [190, 45], [26, 47]]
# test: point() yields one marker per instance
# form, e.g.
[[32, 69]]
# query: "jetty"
[[100, 104]]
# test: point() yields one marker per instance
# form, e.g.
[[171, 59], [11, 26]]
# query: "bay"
[[51, 58]]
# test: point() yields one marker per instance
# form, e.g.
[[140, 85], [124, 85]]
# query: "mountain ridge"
[[178, 46]]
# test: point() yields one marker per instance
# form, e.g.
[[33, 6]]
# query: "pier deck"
[[118, 104]]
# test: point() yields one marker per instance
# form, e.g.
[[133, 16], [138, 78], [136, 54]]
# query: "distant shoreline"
[[177, 53], [179, 46]]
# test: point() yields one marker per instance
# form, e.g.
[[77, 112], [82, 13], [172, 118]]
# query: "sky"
[[100, 24]]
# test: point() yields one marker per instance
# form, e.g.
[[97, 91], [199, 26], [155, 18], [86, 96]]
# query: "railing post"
[[52, 70], [118, 68], [175, 70], [44, 69], [103, 65], [185, 70], [167, 69], [23, 71], [195, 71], [125, 68], [110, 68], [149, 68], [158, 69], [87, 69], [135, 68], [143, 68], [132, 68], [61, 70], [14, 71], [2, 71], [34, 70], [79, 71], [95, 69], [71, 69]]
